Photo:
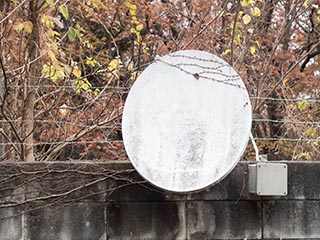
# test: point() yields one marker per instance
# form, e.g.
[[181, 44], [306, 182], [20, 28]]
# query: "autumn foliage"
[[67, 66]]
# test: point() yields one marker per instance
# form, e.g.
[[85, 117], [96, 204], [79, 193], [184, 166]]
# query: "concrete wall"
[[100, 201]]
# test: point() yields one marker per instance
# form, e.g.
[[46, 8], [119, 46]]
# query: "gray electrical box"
[[268, 179]]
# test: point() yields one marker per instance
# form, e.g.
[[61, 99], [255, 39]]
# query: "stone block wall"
[[100, 201]]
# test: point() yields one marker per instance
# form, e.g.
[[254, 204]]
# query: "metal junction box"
[[268, 179]]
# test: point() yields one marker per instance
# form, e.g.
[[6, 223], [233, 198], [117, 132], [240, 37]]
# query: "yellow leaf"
[[52, 56], [96, 92], [145, 49], [134, 20], [139, 27], [305, 4], [246, 19], [130, 68], [76, 72], [258, 43], [130, 5], [58, 74], [246, 3], [28, 26], [311, 133], [302, 105], [47, 21], [134, 76], [50, 3], [18, 28], [54, 72], [91, 61], [132, 12], [114, 64], [285, 81], [227, 51], [55, 33], [252, 50], [256, 12]]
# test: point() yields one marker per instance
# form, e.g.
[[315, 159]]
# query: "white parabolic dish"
[[186, 121]]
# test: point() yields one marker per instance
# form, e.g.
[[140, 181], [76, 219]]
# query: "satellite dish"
[[186, 121]]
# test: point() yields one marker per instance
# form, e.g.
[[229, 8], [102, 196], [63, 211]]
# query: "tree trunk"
[[33, 73]]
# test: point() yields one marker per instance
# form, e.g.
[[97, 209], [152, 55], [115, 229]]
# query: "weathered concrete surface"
[[233, 187], [12, 184], [291, 219], [147, 220], [11, 224], [224, 220], [304, 180], [79, 221], [100, 201]]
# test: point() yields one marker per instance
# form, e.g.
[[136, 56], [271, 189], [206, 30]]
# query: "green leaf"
[[237, 39], [238, 32], [64, 11], [73, 33], [304, 155]]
